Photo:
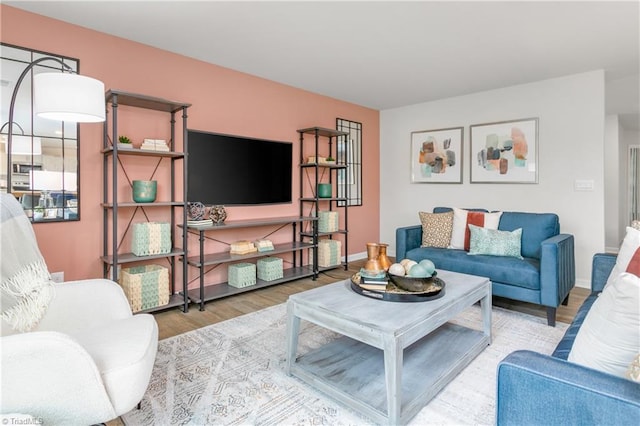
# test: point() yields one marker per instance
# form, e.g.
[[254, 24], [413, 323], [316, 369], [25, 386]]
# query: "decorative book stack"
[[203, 222], [243, 247], [376, 282], [155, 145], [264, 245]]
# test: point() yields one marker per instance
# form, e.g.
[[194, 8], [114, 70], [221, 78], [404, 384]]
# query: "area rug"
[[232, 373]]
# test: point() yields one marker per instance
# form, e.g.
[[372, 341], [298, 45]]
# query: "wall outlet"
[[57, 277]]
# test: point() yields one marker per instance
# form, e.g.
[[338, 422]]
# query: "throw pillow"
[[630, 244], [460, 235], [608, 339], [634, 264], [436, 229], [495, 243]]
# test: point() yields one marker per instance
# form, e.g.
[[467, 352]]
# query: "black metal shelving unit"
[[112, 167], [207, 292], [311, 174]]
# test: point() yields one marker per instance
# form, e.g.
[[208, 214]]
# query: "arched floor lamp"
[[64, 96]]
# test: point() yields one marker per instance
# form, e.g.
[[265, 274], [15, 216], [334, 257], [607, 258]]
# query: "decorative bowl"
[[412, 283]]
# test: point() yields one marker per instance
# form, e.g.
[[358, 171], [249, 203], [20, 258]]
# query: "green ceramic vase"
[[144, 191]]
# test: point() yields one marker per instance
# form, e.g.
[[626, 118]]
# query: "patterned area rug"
[[232, 373]]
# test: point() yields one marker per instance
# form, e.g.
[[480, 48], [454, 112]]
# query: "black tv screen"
[[235, 170]]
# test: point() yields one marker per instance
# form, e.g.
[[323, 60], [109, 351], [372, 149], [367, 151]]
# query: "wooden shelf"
[[226, 257], [143, 152], [328, 166], [323, 131], [218, 291], [130, 257], [133, 204], [175, 301], [247, 223], [143, 101]]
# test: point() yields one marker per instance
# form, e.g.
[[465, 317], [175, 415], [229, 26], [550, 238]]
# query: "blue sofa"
[[536, 389], [545, 276]]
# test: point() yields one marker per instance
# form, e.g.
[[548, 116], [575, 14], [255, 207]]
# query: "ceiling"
[[386, 54]]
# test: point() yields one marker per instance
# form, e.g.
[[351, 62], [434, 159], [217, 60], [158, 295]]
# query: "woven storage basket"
[[145, 286], [329, 252], [327, 221], [151, 238], [270, 268], [242, 274]]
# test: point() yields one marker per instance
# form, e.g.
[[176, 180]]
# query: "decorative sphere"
[[397, 269], [403, 262], [409, 265], [418, 271], [428, 265]]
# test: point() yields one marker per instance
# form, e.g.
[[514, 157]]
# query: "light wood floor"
[[174, 322]]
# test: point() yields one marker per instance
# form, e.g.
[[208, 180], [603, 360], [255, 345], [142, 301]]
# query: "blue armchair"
[[536, 389]]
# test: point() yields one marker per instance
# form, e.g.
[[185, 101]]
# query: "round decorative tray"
[[392, 293]]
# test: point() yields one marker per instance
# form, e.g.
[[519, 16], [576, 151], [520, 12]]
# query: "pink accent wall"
[[223, 100]]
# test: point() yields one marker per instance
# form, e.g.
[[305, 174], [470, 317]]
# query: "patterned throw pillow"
[[495, 243], [460, 235], [436, 229]]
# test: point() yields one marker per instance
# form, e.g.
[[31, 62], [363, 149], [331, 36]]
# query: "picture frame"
[[436, 155], [504, 152]]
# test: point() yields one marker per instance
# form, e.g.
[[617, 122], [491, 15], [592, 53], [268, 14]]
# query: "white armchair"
[[88, 359]]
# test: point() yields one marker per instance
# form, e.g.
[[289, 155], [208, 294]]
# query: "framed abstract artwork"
[[505, 152], [436, 155]]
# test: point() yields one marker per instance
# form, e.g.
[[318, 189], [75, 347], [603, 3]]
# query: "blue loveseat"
[[537, 389], [545, 276]]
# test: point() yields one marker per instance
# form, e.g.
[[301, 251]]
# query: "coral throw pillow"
[[634, 264], [461, 235], [628, 250]]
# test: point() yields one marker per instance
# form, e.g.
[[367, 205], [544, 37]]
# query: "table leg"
[[293, 329], [393, 357], [485, 304]]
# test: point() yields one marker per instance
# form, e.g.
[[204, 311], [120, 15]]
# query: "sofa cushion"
[[536, 227], [436, 229], [461, 235], [608, 339], [518, 272]]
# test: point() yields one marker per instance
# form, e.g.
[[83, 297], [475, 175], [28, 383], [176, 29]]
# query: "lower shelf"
[[175, 300], [218, 291]]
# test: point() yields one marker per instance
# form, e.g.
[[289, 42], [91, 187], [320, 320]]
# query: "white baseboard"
[[357, 256], [582, 283]]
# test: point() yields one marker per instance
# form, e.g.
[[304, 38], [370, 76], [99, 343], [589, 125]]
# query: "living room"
[[574, 140]]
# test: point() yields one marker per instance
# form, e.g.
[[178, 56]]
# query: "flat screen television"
[[234, 170]]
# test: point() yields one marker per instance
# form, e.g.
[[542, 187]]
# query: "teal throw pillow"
[[493, 242]]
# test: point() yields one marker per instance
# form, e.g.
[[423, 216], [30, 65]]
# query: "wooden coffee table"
[[392, 357]]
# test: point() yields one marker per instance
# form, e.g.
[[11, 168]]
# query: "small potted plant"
[[124, 142], [330, 160], [38, 213]]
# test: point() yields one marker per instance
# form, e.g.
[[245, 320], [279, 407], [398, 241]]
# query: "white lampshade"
[[68, 97]]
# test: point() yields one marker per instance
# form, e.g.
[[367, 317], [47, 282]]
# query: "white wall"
[[613, 185], [571, 133], [627, 138]]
